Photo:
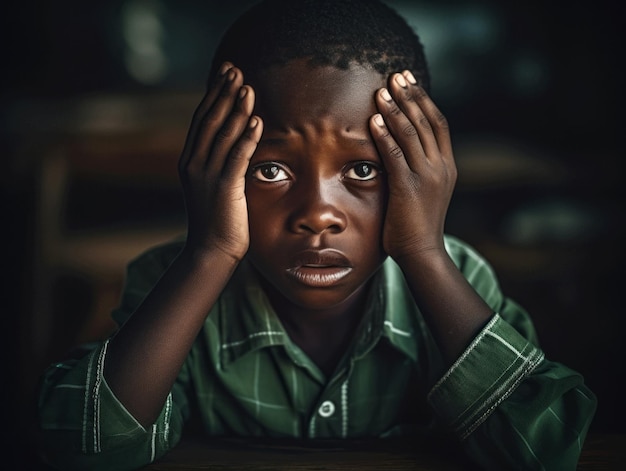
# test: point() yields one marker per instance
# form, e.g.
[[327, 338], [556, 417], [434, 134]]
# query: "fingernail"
[[253, 122], [400, 81], [378, 119], [225, 68], [385, 94], [409, 76], [231, 75], [242, 92]]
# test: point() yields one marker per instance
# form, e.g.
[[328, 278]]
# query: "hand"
[[221, 140], [413, 141]]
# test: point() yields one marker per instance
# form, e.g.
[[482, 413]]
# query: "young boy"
[[315, 294]]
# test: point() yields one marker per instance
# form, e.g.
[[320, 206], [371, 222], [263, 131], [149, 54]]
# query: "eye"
[[362, 171], [269, 172]]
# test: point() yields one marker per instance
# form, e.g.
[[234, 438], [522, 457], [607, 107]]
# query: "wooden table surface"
[[600, 453]]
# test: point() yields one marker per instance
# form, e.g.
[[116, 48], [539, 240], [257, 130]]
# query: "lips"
[[319, 268]]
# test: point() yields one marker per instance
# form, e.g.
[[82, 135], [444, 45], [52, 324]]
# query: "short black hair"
[[325, 32]]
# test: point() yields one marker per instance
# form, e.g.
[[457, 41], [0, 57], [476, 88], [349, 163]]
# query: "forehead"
[[298, 94]]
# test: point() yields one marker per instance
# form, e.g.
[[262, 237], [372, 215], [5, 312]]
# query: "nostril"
[[318, 221], [334, 228]]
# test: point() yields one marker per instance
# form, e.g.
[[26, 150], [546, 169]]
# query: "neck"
[[323, 334]]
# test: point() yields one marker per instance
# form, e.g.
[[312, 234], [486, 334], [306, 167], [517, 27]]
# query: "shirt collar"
[[392, 314], [249, 323]]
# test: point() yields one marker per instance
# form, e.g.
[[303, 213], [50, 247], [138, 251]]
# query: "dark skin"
[[337, 170], [306, 198]]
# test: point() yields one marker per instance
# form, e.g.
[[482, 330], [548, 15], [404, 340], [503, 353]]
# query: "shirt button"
[[326, 409]]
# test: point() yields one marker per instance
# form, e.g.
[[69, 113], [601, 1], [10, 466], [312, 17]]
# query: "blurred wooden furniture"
[[107, 189], [601, 452]]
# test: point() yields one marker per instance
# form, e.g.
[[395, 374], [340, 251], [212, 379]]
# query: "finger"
[[391, 153], [438, 126], [214, 118], [231, 130], [436, 119], [400, 127], [238, 161], [409, 99], [207, 101]]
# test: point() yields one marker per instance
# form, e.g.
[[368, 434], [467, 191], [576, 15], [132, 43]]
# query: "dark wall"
[[539, 79]]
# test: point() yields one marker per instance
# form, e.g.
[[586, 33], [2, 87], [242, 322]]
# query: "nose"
[[317, 208]]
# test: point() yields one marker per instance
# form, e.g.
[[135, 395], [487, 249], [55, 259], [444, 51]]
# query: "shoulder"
[[157, 258], [476, 270], [142, 273], [464, 255]]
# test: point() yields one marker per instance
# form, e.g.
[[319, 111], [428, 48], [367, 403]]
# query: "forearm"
[[413, 139], [547, 432], [145, 356], [83, 426], [453, 310]]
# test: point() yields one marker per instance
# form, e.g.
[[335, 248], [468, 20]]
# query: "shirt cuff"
[[487, 372], [107, 424]]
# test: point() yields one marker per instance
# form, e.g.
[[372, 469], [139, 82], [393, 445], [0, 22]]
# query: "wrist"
[[419, 254], [208, 257]]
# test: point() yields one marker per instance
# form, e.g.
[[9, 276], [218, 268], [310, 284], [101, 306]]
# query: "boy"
[[315, 294]]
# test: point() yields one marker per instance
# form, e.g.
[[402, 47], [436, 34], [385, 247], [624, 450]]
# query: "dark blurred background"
[[96, 100]]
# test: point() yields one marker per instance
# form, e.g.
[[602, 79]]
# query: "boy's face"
[[315, 187]]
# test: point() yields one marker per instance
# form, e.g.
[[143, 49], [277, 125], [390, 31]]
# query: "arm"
[[123, 403], [509, 406], [413, 140], [147, 353]]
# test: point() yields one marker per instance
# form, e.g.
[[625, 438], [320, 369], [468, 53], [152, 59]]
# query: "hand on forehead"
[[289, 95]]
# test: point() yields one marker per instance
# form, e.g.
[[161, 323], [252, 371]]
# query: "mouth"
[[319, 268]]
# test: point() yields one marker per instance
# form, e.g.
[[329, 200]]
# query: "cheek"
[[260, 219], [369, 213], [265, 219]]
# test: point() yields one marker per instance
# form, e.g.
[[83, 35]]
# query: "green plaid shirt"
[[509, 406]]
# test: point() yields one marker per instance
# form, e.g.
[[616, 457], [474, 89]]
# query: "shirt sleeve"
[[510, 406], [83, 425]]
